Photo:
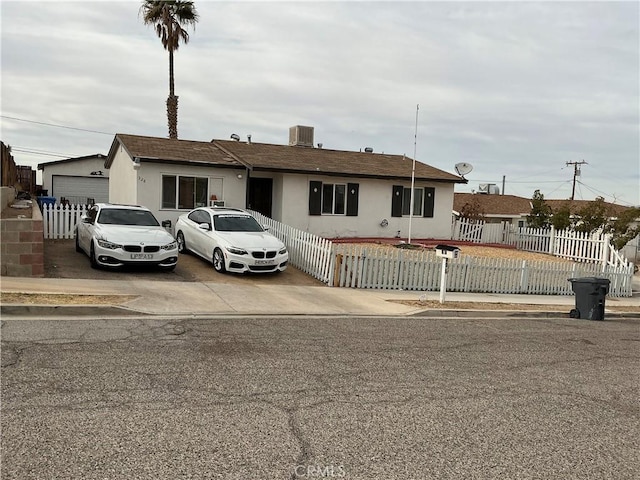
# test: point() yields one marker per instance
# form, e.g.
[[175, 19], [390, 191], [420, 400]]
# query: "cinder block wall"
[[22, 246]]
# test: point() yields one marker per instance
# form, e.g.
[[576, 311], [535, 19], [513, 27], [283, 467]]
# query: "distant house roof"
[[512, 206], [41, 166], [493, 205], [282, 158], [576, 205]]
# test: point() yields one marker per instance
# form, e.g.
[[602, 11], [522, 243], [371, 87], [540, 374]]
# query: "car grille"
[[261, 268], [138, 248], [271, 254]]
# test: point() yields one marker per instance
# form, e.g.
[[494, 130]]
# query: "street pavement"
[[208, 298], [306, 397]]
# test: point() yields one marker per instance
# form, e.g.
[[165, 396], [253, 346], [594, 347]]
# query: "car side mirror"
[[265, 228], [84, 219], [204, 226]]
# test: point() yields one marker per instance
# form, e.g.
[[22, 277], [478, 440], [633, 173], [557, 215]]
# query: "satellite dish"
[[463, 168]]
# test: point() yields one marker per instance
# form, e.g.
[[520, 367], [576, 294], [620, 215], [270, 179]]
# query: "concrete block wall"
[[22, 246]]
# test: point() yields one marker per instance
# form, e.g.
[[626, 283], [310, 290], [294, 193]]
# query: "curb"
[[73, 311]]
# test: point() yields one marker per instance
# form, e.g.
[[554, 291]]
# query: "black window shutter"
[[315, 198], [429, 201], [352, 199], [396, 201]]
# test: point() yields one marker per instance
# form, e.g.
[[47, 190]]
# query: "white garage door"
[[79, 189]]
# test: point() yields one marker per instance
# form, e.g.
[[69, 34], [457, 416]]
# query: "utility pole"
[[576, 172]]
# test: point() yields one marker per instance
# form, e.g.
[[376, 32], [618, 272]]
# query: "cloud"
[[515, 88]]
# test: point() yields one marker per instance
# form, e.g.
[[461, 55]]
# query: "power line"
[[56, 125], [39, 152]]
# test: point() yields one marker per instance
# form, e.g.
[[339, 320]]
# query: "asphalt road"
[[282, 398]]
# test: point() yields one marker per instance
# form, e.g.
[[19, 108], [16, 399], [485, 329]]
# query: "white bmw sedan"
[[231, 239], [117, 235]]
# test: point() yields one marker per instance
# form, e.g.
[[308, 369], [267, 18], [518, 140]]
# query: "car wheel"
[[218, 261], [92, 257], [182, 245], [78, 249]]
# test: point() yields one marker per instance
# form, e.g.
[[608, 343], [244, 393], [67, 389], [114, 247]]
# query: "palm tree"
[[168, 18]]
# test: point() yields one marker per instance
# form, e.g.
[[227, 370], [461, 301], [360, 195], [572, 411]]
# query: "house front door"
[[260, 194]]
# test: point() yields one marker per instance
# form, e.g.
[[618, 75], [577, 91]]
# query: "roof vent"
[[235, 136], [368, 150], [300, 136]]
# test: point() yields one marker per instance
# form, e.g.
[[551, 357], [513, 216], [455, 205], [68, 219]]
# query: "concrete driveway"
[[62, 261]]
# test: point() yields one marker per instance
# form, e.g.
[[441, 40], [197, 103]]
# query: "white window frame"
[[333, 199], [419, 206], [176, 204]]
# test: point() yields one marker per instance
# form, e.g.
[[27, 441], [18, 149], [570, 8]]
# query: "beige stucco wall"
[[123, 179], [223, 182], [374, 206]]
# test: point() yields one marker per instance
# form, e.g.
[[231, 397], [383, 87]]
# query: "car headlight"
[[170, 246], [282, 251], [107, 244], [237, 251]]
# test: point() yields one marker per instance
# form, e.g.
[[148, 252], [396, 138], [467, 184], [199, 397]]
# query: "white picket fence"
[[59, 221], [404, 269], [362, 267], [575, 246], [307, 252], [478, 231]]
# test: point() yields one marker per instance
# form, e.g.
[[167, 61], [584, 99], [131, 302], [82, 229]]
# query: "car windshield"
[[236, 223], [122, 216]]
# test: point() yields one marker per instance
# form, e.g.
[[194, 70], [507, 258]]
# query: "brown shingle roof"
[[171, 150], [296, 159], [505, 205], [284, 158], [576, 205]]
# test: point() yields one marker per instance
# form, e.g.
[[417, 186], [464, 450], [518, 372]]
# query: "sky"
[[520, 90]]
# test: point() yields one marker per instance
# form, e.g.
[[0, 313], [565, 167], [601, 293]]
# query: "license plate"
[[141, 256], [264, 262]]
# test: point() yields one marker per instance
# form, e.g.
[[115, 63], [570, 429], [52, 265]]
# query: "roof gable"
[[95, 156], [171, 150]]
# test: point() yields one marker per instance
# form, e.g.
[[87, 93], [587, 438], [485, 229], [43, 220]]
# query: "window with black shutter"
[[333, 198], [423, 201], [315, 198]]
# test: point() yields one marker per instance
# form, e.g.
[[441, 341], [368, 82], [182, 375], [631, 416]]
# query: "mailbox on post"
[[447, 251]]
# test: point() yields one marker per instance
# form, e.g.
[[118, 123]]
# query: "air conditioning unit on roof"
[[300, 136]]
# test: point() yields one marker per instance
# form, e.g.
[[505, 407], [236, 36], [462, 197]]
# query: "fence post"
[[552, 240], [606, 238]]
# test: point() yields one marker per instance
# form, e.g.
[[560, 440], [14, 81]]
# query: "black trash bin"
[[590, 297]]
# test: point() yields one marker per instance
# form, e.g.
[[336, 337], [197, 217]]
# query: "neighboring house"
[[77, 180], [496, 208], [330, 193], [493, 208]]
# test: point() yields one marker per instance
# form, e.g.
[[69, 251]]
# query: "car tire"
[[182, 245], [78, 249], [218, 261], [92, 257]]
